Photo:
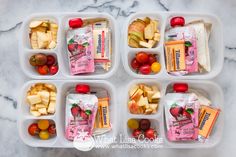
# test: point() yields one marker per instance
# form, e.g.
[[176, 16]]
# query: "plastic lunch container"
[[60, 51], [25, 118], [215, 44], [163, 80], [211, 90]]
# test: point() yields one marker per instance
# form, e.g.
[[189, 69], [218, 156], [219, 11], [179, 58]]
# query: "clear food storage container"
[[62, 88], [60, 50], [215, 44], [158, 122]]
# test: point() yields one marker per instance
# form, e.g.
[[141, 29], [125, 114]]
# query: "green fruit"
[[38, 59]]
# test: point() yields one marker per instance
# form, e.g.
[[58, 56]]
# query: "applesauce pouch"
[[181, 115], [80, 50], [81, 110]]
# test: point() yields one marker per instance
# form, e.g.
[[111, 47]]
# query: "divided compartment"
[[66, 86], [59, 116], [61, 49], [25, 40], [149, 82], [35, 141], [214, 93], [215, 45], [32, 71]]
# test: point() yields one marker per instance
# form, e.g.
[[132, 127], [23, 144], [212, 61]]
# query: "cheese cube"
[[35, 113], [145, 44], [34, 99], [142, 101], [43, 111], [51, 107], [38, 106]]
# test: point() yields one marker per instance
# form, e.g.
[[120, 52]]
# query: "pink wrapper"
[[181, 111], [186, 33], [80, 50], [81, 110]]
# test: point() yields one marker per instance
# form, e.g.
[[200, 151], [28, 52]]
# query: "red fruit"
[[145, 69], [180, 87], [76, 23], [33, 129], [135, 64], [186, 114], [84, 115], [50, 60], [176, 111], [150, 134], [142, 57], [82, 88], [43, 70], [53, 69], [52, 129], [138, 134], [75, 110], [151, 59], [144, 124], [177, 21]]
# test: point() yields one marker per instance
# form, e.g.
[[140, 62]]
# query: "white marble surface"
[[12, 12]]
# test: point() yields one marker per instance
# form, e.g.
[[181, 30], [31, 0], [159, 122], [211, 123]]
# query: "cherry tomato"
[[150, 134], [177, 21], [76, 23], [145, 69], [44, 135], [156, 67], [151, 59], [82, 88], [180, 87], [135, 64], [33, 129], [43, 124], [53, 69], [137, 134], [52, 129], [43, 70], [142, 57], [50, 60]]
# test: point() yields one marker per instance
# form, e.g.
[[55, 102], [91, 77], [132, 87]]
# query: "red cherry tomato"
[[82, 88], [43, 70], [177, 21], [137, 134], [33, 129], [180, 87], [142, 57], [150, 134], [76, 23], [145, 69], [53, 69], [52, 129], [151, 59], [50, 60], [135, 64]]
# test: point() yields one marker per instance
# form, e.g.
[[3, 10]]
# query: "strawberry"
[[72, 47], [84, 115], [150, 134], [176, 111], [75, 110], [186, 114]]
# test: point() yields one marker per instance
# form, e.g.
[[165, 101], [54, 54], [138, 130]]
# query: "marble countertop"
[[13, 12]]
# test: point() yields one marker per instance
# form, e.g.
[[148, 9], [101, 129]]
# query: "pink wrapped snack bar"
[[80, 50], [181, 111]]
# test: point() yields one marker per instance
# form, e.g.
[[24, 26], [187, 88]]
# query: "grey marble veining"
[[13, 12]]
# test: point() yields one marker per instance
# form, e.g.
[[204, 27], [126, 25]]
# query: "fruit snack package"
[[80, 49], [81, 109], [181, 114]]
